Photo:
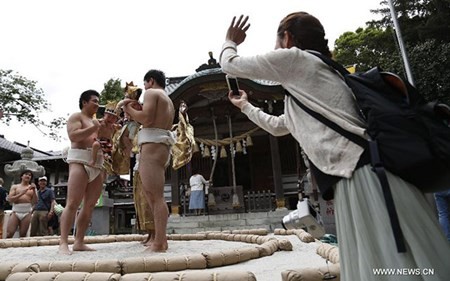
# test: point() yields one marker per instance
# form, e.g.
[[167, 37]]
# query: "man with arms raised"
[[154, 140], [85, 181]]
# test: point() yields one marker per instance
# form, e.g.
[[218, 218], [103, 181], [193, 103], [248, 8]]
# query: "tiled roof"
[[170, 88], [17, 148]]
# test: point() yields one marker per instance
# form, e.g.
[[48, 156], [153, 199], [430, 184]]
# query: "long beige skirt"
[[367, 247]]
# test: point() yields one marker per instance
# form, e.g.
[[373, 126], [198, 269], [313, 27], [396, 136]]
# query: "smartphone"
[[233, 85]]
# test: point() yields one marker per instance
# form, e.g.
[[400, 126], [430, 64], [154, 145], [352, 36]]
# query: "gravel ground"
[[265, 268]]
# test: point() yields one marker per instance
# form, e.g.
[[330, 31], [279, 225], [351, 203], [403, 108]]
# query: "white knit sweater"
[[318, 87]]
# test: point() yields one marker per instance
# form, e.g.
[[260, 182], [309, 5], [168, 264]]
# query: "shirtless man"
[[85, 181], [23, 197], [154, 140]]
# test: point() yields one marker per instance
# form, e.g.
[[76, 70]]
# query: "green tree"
[[430, 61], [112, 91], [425, 26], [420, 20], [20, 99], [366, 48]]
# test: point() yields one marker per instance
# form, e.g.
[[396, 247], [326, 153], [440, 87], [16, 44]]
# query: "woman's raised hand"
[[237, 30]]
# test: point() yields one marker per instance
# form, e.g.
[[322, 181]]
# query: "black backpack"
[[408, 136]]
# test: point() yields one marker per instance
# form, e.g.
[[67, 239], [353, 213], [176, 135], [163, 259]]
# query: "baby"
[[108, 126], [131, 92]]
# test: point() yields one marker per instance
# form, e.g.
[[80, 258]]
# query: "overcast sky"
[[72, 46]]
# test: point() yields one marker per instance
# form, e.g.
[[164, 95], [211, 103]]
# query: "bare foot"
[[64, 249], [157, 247], [82, 247], [150, 238]]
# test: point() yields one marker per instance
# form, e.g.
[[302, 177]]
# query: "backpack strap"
[[376, 163]]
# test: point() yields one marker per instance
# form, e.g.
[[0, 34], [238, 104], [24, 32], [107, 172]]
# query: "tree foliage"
[[112, 91], [425, 28], [20, 99], [367, 48], [430, 61], [420, 20]]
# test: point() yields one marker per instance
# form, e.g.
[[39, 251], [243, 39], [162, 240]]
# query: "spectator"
[[339, 166], [3, 195], [43, 211], [197, 195], [443, 207]]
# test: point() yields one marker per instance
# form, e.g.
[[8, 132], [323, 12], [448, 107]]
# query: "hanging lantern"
[[223, 152], [196, 148], [238, 146], [249, 140], [206, 152]]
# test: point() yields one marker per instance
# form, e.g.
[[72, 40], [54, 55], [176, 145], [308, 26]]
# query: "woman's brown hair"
[[307, 32]]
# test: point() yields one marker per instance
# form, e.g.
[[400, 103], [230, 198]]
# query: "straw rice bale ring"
[[285, 245], [261, 240], [129, 238], [17, 243], [132, 265], [242, 238], [249, 253], [246, 254], [65, 276], [260, 231], [59, 266], [34, 242], [311, 274], [248, 238], [191, 276], [198, 236], [230, 237], [174, 237], [329, 250], [186, 262], [145, 264], [108, 239], [241, 231], [254, 239], [93, 239], [20, 276], [214, 235], [25, 243], [214, 259], [6, 268], [43, 242], [231, 257], [304, 236], [5, 243], [268, 248], [227, 231], [334, 255], [113, 266], [279, 231], [53, 242], [83, 266], [321, 250]]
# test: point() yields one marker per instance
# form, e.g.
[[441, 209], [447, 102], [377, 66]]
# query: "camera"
[[233, 84]]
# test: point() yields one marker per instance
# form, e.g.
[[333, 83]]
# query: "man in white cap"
[[43, 210]]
